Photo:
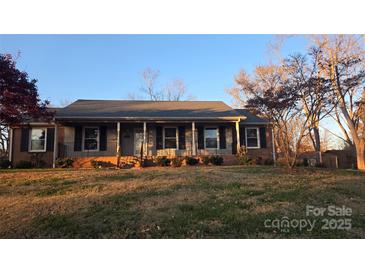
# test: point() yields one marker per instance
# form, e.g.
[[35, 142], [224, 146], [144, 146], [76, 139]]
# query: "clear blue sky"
[[69, 67]]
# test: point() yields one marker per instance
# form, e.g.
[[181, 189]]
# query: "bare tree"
[[342, 62], [4, 140], [268, 93], [149, 77], [174, 90], [313, 91]]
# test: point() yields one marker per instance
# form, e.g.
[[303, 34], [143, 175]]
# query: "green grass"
[[187, 202]]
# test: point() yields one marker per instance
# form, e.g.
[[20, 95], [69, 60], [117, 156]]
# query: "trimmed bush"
[[191, 161], [244, 160], [163, 161], [24, 164], [5, 163], [64, 162], [205, 160], [216, 160], [100, 164], [176, 162]]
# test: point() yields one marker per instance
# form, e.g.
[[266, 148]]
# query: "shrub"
[[305, 161], [101, 164], [163, 161], [24, 164], [37, 160], [268, 162], [191, 161], [64, 162], [216, 160], [176, 162], [205, 160], [259, 160], [242, 156], [5, 163]]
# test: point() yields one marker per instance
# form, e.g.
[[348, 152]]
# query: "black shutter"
[[222, 137], [24, 140], [50, 139], [159, 143], [200, 137], [234, 140], [242, 136], [182, 137], [262, 137], [103, 138], [78, 138]]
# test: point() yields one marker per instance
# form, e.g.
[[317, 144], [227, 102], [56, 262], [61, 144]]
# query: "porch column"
[[193, 138], [118, 143], [55, 145], [273, 147], [238, 135], [10, 144], [144, 138]]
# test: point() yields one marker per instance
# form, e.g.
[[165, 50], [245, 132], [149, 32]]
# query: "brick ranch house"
[[118, 130]]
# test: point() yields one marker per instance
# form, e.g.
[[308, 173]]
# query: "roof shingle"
[[142, 109]]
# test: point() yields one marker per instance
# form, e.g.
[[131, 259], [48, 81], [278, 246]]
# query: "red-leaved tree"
[[19, 98]]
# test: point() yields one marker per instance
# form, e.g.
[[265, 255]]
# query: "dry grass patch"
[[187, 202]]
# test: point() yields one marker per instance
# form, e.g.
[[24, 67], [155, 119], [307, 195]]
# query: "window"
[[91, 138], [38, 139], [252, 137], [211, 138], [170, 137]]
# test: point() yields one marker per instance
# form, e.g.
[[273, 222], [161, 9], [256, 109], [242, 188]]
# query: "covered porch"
[[115, 140]]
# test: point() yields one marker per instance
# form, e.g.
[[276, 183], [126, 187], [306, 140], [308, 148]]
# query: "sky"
[[70, 67]]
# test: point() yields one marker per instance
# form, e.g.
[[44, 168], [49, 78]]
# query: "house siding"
[[66, 138], [67, 141], [19, 155]]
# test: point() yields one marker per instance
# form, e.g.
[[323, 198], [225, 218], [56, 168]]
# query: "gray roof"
[[134, 109], [250, 117]]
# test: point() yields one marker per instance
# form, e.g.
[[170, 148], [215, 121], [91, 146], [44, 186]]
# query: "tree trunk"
[[360, 155], [317, 145]]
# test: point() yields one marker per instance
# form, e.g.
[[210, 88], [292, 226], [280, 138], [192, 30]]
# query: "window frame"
[[257, 136], [164, 137], [205, 143], [83, 139], [30, 140]]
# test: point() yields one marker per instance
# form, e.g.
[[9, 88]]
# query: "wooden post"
[[238, 136], [55, 145], [193, 138], [118, 144], [145, 138]]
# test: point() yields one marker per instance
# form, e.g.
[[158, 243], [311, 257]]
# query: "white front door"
[[138, 141]]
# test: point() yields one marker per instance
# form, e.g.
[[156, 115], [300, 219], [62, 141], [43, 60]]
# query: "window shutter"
[[24, 140], [78, 138], [242, 136], [200, 137], [50, 139], [103, 138], [222, 137], [159, 143], [234, 140], [262, 137], [182, 137]]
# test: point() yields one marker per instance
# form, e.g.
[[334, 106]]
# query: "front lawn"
[[186, 202]]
